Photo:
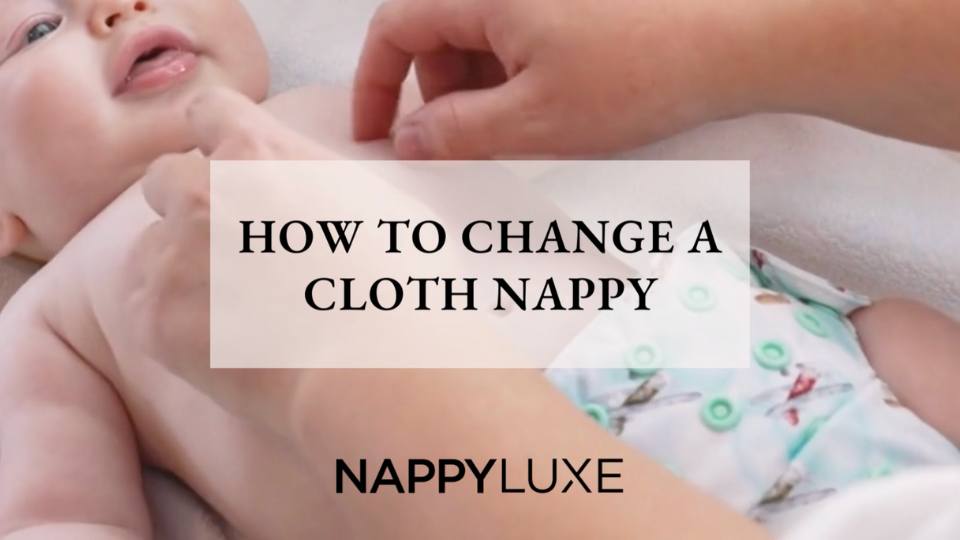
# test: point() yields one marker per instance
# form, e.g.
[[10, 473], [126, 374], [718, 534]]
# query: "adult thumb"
[[475, 124]]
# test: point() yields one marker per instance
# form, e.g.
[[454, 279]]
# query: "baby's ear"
[[13, 233]]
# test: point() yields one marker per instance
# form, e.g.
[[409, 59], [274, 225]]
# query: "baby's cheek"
[[57, 123], [59, 143]]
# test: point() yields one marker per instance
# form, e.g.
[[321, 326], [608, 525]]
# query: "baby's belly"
[[248, 476]]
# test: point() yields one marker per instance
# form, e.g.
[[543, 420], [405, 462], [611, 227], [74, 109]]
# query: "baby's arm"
[[68, 457]]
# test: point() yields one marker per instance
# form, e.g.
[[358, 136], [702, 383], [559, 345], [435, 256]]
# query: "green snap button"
[[826, 311], [721, 414], [880, 471], [644, 361], [698, 298], [598, 413], [812, 321], [772, 354]]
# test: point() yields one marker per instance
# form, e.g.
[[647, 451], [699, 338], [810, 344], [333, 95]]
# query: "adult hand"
[[507, 77], [546, 76]]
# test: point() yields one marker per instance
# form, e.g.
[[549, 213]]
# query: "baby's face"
[[92, 91]]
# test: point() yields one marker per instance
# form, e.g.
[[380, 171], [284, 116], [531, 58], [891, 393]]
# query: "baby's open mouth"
[[153, 60]]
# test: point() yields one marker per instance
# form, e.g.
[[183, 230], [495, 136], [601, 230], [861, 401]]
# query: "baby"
[[92, 92]]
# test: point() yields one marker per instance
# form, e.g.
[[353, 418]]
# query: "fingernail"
[[408, 141]]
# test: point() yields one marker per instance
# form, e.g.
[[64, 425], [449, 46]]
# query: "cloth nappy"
[[805, 420]]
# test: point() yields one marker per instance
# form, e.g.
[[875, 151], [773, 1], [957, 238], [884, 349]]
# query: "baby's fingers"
[[228, 126], [224, 120], [177, 182]]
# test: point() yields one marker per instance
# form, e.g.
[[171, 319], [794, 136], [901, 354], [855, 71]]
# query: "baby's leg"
[[68, 458], [916, 351]]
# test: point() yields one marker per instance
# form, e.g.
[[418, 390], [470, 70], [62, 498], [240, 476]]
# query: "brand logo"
[[558, 475]]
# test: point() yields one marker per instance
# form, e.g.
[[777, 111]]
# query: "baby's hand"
[[168, 283], [168, 290]]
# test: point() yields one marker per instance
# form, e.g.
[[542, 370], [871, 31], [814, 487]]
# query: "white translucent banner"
[[381, 264]]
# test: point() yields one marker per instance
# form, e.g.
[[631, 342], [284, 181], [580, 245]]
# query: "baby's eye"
[[41, 30]]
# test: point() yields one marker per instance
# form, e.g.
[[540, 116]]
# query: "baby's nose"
[[108, 14]]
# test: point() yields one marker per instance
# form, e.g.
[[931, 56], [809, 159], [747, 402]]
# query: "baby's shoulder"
[[31, 351], [76, 294], [27, 312], [318, 112], [322, 113]]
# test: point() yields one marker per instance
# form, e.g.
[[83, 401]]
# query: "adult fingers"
[[440, 73], [475, 124], [400, 31]]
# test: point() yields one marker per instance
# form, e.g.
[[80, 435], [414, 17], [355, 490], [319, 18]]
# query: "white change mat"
[[871, 213]]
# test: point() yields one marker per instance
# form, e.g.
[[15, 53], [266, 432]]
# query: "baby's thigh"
[[916, 351]]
